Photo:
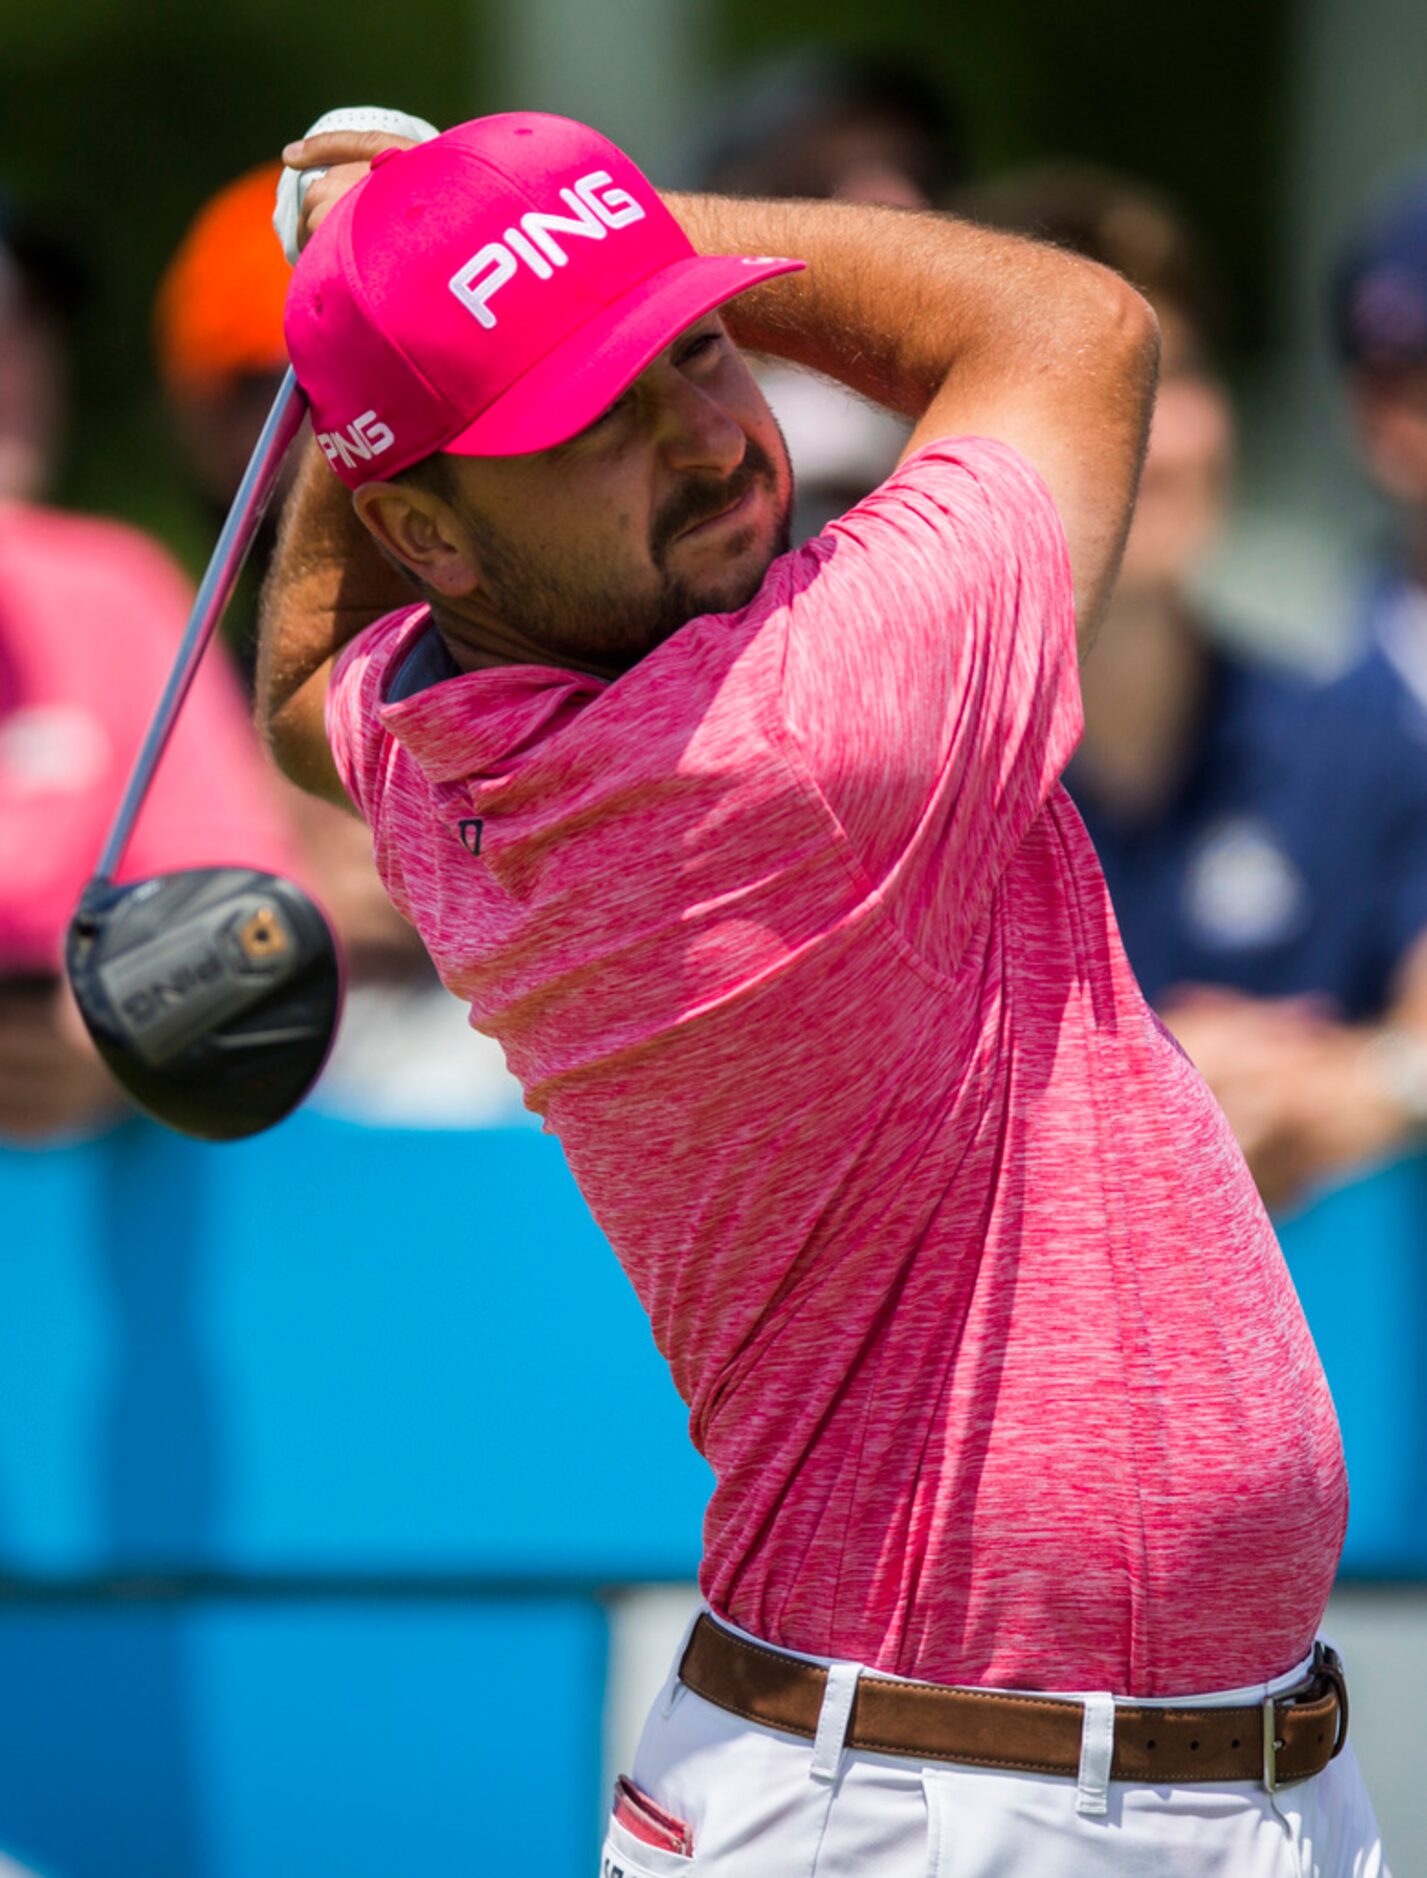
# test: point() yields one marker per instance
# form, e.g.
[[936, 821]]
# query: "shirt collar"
[[463, 724]]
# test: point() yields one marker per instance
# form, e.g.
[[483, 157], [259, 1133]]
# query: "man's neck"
[[1143, 687], [478, 639]]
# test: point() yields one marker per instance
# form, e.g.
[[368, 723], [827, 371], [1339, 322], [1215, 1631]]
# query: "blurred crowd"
[[1263, 829]]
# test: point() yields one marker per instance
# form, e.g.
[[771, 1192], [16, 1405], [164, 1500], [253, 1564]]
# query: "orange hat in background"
[[218, 314]]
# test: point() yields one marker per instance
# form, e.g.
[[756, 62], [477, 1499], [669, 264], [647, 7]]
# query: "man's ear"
[[423, 533]]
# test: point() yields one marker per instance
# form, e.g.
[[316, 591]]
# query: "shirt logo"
[[597, 206], [470, 832], [358, 443]]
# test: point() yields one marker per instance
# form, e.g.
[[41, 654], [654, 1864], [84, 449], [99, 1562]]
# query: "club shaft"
[[221, 576]]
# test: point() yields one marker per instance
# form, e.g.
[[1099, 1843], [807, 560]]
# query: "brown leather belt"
[[1289, 1738]]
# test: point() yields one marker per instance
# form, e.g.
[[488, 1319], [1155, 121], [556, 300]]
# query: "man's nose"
[[699, 433]]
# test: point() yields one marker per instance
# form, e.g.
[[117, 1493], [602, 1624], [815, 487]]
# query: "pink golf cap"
[[491, 292]]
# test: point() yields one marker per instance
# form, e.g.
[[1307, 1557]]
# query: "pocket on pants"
[[645, 1840], [624, 1856]]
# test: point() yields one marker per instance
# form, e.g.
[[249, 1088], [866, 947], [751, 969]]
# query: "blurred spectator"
[[1380, 321], [404, 1052], [218, 332], [42, 288], [90, 614], [833, 127], [1264, 836]]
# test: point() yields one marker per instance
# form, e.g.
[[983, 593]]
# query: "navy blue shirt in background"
[[1292, 857]]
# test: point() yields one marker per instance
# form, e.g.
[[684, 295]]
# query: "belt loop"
[[1097, 1752], [833, 1718]]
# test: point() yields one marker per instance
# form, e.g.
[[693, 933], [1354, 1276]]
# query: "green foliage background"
[[118, 117]]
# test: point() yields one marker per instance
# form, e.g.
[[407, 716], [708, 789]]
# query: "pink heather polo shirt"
[[90, 617], [797, 944]]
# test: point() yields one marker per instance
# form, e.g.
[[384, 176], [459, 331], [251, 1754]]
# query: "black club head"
[[212, 994]]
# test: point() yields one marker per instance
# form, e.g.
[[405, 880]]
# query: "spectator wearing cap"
[[1264, 836], [829, 127], [405, 1053]]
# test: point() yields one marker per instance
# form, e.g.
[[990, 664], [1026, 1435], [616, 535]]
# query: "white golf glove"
[[293, 185]]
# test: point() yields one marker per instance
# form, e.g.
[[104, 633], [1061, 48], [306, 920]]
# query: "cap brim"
[[585, 373]]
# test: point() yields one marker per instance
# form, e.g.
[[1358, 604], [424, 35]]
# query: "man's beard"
[[583, 613]]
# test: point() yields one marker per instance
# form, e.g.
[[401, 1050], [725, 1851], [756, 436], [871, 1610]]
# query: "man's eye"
[[701, 347]]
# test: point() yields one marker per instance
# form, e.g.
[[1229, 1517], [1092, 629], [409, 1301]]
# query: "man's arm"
[[969, 332], [327, 582], [966, 330]]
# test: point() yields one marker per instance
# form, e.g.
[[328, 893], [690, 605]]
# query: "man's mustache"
[[704, 497]]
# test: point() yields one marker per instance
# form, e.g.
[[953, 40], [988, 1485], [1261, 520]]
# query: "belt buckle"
[[1271, 1745], [1327, 1667]]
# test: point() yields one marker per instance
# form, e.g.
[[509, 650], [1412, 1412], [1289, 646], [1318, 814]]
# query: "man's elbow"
[[279, 723], [285, 745], [1128, 335], [296, 736]]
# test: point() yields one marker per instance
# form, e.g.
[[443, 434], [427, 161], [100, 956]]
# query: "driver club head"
[[212, 994]]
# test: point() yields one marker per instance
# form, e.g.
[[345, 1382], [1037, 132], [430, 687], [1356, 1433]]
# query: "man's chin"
[[745, 564]]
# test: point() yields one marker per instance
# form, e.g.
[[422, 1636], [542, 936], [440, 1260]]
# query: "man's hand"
[[348, 139], [345, 156], [52, 1081]]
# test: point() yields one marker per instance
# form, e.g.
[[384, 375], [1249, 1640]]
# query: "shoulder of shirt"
[[963, 466], [967, 452]]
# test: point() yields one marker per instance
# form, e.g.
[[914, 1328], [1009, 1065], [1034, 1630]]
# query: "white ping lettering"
[[615, 207], [529, 253], [541, 228], [362, 440], [482, 276], [598, 206]]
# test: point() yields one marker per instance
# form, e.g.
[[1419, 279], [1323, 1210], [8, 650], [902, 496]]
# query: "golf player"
[[1029, 1492]]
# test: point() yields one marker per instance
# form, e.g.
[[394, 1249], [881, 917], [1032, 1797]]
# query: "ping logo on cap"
[[597, 207], [362, 440]]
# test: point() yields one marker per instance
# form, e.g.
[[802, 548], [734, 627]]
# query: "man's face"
[[672, 504]]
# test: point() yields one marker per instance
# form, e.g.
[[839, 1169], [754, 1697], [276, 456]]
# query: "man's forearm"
[[968, 331], [327, 582], [893, 301]]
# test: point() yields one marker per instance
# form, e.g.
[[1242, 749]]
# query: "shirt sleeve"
[[930, 684]]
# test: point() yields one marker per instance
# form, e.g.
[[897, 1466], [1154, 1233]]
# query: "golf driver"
[[212, 994]]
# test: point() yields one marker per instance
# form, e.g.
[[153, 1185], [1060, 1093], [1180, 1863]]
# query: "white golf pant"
[[763, 1804]]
